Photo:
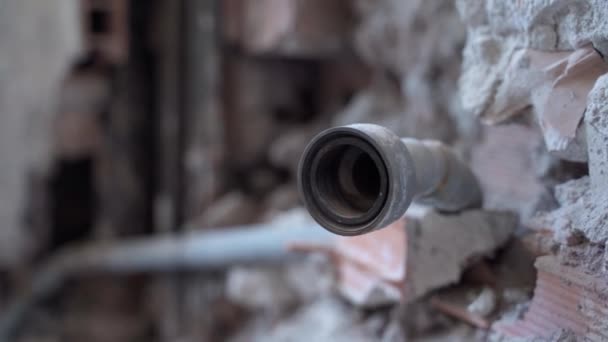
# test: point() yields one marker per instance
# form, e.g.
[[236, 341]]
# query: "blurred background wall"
[[131, 118], [39, 41]]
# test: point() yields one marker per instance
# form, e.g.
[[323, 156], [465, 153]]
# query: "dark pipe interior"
[[366, 178], [347, 181]]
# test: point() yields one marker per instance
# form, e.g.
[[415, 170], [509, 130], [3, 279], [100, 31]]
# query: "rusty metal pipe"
[[359, 178]]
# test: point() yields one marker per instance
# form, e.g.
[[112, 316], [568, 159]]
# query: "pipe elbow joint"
[[359, 178]]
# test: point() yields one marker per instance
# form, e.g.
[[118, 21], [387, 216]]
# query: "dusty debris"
[[553, 25], [539, 242], [260, 288], [596, 126], [394, 333], [418, 319], [364, 288], [565, 104], [581, 210], [563, 335], [460, 313], [279, 288], [327, 319], [446, 243], [534, 54], [416, 255], [194, 250], [565, 297], [506, 161], [231, 209], [547, 26], [383, 251], [484, 304], [317, 267], [555, 84], [516, 295]]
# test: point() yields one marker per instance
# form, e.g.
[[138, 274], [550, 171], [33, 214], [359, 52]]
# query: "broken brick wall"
[[541, 65]]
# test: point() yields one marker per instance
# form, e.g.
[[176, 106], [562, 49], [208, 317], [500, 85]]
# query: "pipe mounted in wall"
[[359, 178]]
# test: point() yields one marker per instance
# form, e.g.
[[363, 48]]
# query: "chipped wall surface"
[[596, 127], [548, 58], [544, 58], [543, 24], [34, 56], [512, 63], [581, 210], [441, 246], [566, 297], [416, 255], [504, 160]]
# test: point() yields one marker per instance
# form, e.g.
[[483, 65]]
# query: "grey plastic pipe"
[[359, 178], [195, 250]]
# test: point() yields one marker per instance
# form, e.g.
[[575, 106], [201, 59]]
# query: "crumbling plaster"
[[497, 84], [549, 25], [510, 62], [596, 127]]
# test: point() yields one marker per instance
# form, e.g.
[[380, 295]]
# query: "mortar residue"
[[581, 211]]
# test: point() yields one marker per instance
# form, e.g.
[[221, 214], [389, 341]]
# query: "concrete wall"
[[34, 55]]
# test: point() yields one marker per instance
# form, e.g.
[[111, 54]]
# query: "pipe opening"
[[359, 178], [347, 181]]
